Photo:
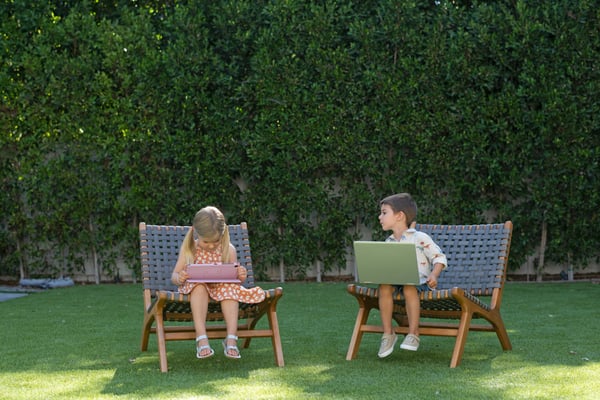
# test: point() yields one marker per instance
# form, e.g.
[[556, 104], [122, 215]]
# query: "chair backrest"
[[477, 255], [159, 249]]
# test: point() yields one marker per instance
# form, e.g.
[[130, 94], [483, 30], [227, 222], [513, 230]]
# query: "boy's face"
[[387, 218]]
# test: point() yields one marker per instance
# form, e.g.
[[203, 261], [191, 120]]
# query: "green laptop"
[[393, 263]]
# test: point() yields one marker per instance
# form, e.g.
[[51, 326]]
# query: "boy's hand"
[[432, 281]]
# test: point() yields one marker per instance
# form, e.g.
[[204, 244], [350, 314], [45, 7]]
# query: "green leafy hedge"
[[296, 117]]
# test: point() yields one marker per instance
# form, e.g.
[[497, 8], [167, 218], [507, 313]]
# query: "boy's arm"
[[433, 276]]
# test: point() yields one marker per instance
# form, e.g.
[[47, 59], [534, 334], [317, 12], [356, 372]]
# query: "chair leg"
[[161, 342], [276, 338], [361, 319], [501, 332], [146, 327], [461, 338], [270, 310], [503, 337]]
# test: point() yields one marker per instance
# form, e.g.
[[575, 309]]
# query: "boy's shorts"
[[420, 288]]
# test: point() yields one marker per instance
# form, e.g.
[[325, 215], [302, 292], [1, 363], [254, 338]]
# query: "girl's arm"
[[179, 275], [242, 273], [232, 254]]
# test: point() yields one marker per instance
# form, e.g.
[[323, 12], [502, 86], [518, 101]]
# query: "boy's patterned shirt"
[[428, 252]]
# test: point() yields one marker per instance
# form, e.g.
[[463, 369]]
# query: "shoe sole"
[[202, 357], [410, 348], [226, 351]]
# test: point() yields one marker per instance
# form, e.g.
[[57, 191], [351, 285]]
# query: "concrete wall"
[[348, 273]]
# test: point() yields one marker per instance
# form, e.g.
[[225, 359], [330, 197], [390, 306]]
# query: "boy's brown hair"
[[402, 202]]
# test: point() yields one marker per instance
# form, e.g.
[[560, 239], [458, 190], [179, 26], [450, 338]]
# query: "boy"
[[397, 213]]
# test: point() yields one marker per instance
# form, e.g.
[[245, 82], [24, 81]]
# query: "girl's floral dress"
[[222, 291]]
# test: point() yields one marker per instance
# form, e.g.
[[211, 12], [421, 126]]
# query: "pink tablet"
[[213, 273]]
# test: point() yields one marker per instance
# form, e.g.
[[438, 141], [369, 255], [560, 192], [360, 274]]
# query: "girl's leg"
[[230, 310], [199, 303]]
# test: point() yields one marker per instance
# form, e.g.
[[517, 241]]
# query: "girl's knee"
[[199, 290], [229, 303]]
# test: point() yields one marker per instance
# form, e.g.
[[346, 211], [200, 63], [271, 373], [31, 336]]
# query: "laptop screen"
[[393, 263]]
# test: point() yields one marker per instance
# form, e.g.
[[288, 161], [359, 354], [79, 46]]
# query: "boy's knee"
[[386, 290], [410, 288]]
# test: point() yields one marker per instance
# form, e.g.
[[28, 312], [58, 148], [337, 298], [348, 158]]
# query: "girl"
[[208, 242]]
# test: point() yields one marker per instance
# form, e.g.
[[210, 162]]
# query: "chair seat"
[[177, 306], [433, 300]]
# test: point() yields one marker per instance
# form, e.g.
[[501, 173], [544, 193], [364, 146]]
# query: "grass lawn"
[[82, 342]]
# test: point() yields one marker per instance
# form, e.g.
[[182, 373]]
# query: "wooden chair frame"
[[477, 263], [159, 249]]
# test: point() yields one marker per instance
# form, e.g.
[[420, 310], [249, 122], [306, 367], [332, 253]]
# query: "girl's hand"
[[242, 273], [180, 277]]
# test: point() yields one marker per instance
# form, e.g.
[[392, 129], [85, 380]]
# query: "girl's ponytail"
[[188, 246], [225, 245]]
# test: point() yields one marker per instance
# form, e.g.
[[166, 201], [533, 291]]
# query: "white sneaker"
[[387, 345], [410, 342]]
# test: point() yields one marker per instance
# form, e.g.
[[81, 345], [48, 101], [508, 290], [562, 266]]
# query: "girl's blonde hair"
[[209, 224]]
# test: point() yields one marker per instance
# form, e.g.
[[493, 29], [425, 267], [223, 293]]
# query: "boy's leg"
[[413, 312], [386, 309], [413, 308]]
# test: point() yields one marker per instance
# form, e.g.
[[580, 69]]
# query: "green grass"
[[83, 343]]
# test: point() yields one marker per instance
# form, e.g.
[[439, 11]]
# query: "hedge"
[[296, 117]]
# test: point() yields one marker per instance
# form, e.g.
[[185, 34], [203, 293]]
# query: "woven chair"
[[470, 287], [159, 247]]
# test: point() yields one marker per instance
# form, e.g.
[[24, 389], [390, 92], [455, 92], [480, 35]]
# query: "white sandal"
[[227, 347], [203, 347]]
